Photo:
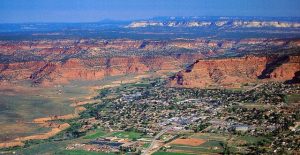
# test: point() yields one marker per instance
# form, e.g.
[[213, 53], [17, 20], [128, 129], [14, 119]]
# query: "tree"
[[226, 149]]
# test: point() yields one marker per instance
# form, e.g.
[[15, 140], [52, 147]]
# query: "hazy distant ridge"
[[196, 22]]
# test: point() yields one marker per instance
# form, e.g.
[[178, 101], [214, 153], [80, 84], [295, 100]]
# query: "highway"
[[151, 148]]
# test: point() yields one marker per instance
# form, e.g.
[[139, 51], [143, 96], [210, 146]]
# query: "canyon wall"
[[43, 62], [232, 72], [45, 73]]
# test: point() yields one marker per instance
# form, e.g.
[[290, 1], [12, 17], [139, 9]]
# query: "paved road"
[[150, 149]]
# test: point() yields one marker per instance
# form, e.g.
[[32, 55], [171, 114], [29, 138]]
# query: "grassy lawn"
[[130, 135], [97, 134], [169, 153], [82, 152]]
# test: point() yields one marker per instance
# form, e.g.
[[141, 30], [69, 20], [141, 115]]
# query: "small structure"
[[241, 128]]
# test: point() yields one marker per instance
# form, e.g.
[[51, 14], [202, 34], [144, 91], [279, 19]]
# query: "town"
[[149, 117]]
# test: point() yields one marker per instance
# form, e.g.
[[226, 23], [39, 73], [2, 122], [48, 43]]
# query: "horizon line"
[[140, 19]]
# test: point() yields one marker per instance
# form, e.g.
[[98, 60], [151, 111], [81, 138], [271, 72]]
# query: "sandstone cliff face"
[[236, 71], [288, 70], [43, 72], [46, 61]]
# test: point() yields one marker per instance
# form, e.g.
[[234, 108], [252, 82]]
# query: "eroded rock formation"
[[233, 72], [42, 72], [60, 61]]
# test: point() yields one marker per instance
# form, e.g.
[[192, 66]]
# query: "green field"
[[44, 148], [82, 152], [212, 143], [121, 134], [97, 134], [130, 135], [250, 139], [170, 153]]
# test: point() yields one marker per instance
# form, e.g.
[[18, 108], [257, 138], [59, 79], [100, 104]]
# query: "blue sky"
[[95, 10]]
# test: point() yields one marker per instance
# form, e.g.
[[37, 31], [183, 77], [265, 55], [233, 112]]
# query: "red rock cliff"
[[43, 72], [235, 71]]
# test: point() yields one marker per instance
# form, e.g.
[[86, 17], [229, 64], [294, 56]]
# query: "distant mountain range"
[[158, 28], [248, 22]]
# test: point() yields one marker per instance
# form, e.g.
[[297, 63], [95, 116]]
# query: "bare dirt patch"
[[11, 144], [188, 141]]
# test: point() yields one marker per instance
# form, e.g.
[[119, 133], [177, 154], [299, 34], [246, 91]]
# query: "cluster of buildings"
[[149, 110]]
